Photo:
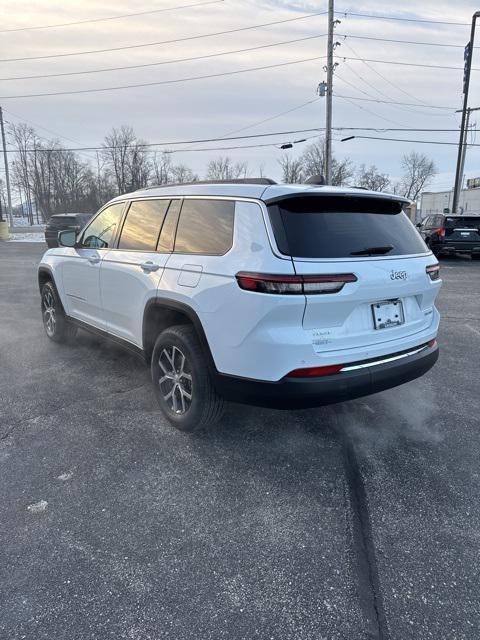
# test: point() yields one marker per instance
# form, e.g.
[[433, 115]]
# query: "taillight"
[[440, 232], [432, 343], [293, 284], [433, 271], [314, 372]]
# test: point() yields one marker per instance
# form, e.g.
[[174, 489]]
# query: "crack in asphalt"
[[370, 594]]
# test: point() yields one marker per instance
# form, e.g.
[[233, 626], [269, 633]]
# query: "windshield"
[[340, 227]]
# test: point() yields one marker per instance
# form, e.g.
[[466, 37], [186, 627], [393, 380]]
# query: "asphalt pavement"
[[355, 521]]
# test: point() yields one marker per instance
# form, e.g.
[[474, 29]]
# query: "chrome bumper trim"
[[374, 363]]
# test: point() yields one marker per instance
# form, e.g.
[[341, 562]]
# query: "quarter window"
[[205, 227], [167, 236], [100, 234], [142, 225]]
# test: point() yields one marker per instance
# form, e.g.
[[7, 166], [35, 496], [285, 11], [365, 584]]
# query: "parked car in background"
[[450, 234], [64, 222], [275, 295]]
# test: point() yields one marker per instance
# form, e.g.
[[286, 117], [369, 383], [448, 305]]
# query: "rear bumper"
[[296, 393], [457, 247]]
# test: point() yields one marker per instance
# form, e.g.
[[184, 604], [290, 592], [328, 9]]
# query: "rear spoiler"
[[360, 194]]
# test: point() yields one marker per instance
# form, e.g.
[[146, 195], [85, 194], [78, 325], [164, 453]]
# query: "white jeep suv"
[[275, 295]]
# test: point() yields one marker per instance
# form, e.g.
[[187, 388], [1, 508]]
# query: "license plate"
[[465, 234], [388, 314]]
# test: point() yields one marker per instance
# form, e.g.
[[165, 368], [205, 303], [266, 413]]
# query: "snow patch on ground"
[[27, 237], [23, 222], [65, 476], [38, 507]]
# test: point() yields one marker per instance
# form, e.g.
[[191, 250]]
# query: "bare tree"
[[164, 172], [23, 138], [222, 168], [292, 169], [419, 169], [181, 174], [127, 158], [313, 163], [162, 168], [371, 178]]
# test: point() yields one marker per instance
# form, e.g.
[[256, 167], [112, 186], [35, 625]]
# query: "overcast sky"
[[214, 107]]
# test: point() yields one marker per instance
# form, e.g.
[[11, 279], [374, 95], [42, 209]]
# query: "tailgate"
[[391, 299], [462, 229], [369, 244]]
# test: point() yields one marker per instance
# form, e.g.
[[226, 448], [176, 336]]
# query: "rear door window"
[[343, 227], [426, 222], [205, 227], [142, 225]]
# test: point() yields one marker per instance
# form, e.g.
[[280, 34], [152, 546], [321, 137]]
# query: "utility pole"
[[464, 143], [328, 123], [7, 176], [466, 85]]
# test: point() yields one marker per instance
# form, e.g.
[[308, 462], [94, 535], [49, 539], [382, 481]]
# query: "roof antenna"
[[315, 179]]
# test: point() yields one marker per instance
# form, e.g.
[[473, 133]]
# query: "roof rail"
[[265, 181]]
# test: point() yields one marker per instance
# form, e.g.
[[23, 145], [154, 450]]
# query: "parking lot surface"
[[355, 521]]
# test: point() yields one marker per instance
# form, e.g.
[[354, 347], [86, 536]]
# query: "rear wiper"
[[373, 251]]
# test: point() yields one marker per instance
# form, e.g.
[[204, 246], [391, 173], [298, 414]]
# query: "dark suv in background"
[[64, 222], [451, 234]]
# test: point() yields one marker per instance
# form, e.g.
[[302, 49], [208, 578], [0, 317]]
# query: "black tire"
[[180, 369], [55, 323]]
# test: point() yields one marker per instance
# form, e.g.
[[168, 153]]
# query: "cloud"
[[212, 107]]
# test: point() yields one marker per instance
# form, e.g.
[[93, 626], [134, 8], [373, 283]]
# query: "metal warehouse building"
[[441, 201]]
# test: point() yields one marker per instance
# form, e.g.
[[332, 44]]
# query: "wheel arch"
[[45, 274], [161, 313]]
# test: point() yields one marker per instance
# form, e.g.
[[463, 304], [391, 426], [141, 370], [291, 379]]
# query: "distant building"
[[441, 201]]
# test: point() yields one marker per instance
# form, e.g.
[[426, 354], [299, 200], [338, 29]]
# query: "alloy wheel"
[[176, 380], [49, 317]]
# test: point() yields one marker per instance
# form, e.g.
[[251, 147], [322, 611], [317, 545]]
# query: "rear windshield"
[[342, 227], [463, 221], [62, 220]]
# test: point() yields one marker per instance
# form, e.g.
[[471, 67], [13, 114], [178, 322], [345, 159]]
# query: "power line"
[[406, 104], [395, 86], [55, 133], [170, 143], [395, 105], [162, 82], [152, 44], [278, 115], [377, 115], [384, 17], [429, 44], [124, 15], [406, 64], [162, 62], [290, 132], [455, 144], [247, 146]]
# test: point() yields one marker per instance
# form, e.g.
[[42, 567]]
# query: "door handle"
[[150, 266], [93, 259]]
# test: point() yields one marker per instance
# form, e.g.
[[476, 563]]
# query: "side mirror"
[[67, 238]]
